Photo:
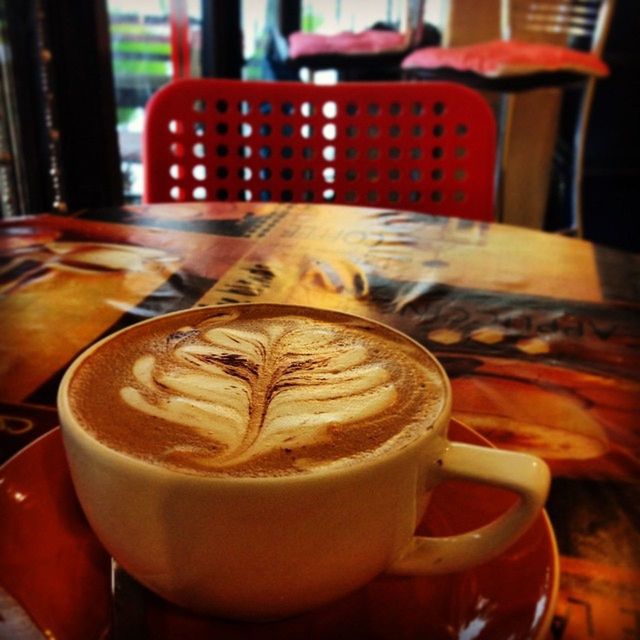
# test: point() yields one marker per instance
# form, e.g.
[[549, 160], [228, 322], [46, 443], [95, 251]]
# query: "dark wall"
[[612, 162]]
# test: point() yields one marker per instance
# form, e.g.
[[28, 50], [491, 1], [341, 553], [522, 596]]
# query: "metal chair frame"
[[580, 24], [561, 22]]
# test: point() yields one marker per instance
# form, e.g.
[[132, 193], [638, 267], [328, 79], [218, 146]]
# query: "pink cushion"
[[347, 42], [500, 58]]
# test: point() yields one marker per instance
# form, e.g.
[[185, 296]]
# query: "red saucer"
[[54, 567]]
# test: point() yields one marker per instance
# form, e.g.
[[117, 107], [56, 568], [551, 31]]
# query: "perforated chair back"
[[426, 147]]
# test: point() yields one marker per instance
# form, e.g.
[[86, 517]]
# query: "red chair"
[[422, 147]]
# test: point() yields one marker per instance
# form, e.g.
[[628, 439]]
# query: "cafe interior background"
[[76, 76]]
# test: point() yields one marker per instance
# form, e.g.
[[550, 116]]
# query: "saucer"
[[57, 571]]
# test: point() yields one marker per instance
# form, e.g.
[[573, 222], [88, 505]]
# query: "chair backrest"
[[426, 147], [579, 24]]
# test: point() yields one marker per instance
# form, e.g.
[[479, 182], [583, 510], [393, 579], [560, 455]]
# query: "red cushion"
[[347, 42], [500, 58]]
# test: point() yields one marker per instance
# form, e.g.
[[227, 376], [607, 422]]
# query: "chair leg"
[[579, 145], [505, 119], [530, 137]]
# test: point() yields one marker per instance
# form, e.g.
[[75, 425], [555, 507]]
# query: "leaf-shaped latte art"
[[252, 390]]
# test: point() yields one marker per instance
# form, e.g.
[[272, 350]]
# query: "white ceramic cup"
[[269, 547]]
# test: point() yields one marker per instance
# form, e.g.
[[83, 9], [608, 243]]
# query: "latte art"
[[253, 391], [243, 393]]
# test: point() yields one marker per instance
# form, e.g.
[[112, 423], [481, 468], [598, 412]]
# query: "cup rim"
[[68, 421]]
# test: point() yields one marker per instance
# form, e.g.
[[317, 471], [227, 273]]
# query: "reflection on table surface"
[[540, 335]]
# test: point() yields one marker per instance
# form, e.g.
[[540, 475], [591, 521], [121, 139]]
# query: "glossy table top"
[[539, 333]]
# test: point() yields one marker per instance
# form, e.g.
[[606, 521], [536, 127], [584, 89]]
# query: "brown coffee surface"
[[256, 390]]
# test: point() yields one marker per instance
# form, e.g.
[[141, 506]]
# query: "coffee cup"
[[255, 461]]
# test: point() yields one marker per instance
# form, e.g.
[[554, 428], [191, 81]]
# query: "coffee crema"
[[257, 389]]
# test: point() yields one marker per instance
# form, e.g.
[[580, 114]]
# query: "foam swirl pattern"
[[254, 391], [280, 393]]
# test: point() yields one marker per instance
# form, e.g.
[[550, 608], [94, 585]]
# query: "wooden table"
[[539, 333]]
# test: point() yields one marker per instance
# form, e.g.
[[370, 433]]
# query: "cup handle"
[[524, 474]]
